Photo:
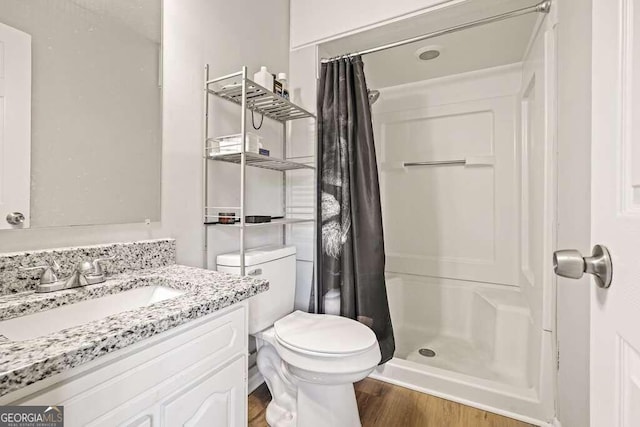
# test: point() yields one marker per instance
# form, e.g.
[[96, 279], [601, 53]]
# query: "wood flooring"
[[386, 405]]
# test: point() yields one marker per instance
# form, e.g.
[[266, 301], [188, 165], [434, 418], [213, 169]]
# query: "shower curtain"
[[351, 250]]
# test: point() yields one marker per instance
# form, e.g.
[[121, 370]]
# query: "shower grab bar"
[[435, 163], [469, 161]]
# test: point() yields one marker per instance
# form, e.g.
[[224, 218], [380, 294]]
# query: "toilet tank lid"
[[256, 256]]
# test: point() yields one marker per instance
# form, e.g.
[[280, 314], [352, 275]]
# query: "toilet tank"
[[277, 264]]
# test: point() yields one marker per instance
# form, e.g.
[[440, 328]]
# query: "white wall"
[[313, 21], [574, 198], [195, 32]]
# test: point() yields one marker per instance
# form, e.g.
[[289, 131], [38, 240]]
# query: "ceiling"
[[141, 16], [490, 45]]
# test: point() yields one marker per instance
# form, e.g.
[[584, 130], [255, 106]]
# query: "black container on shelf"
[[257, 219]]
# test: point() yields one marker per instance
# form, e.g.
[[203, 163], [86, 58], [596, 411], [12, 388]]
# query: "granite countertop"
[[25, 362]]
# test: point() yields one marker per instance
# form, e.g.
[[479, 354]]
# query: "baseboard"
[[255, 379]]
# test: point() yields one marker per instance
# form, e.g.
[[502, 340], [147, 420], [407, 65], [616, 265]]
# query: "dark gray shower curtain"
[[351, 250]]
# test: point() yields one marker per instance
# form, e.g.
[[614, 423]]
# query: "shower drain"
[[426, 352]]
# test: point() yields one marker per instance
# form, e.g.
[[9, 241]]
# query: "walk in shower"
[[464, 136]]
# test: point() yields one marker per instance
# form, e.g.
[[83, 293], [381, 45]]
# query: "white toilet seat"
[[323, 367], [323, 335]]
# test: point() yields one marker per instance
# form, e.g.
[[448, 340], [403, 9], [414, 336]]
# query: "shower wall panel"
[[456, 221]]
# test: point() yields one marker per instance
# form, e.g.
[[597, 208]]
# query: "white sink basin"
[[45, 322]]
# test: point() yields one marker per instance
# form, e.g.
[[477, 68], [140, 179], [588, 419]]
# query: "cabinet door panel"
[[145, 420], [213, 400]]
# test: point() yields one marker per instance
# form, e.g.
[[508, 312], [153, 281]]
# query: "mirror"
[[95, 110]]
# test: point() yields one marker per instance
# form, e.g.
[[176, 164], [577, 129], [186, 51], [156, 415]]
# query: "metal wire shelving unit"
[[260, 161], [250, 96]]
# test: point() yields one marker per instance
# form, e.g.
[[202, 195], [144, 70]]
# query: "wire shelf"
[[275, 221], [262, 101], [260, 161]]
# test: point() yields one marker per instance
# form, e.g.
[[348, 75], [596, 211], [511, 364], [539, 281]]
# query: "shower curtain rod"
[[542, 7]]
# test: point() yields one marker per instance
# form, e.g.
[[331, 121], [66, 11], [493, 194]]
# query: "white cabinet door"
[[615, 212], [15, 124], [214, 400]]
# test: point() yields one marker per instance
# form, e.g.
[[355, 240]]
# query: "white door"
[[15, 125], [615, 210]]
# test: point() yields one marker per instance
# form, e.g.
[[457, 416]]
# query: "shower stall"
[[464, 125]]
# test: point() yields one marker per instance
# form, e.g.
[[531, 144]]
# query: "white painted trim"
[[548, 37], [551, 185], [255, 380]]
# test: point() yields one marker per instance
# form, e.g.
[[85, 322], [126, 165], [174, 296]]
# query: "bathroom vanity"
[[157, 344]]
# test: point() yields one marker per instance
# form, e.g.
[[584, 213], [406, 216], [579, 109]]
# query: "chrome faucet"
[[85, 273]]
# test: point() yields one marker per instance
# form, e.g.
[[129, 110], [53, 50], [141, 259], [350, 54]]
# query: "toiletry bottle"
[[282, 78], [264, 78], [277, 86]]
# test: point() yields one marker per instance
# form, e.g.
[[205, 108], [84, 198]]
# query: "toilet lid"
[[323, 333]]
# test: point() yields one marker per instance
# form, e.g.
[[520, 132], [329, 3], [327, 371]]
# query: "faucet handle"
[[84, 267], [49, 272], [97, 264]]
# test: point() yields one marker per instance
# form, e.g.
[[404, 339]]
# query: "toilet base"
[[327, 405], [300, 403]]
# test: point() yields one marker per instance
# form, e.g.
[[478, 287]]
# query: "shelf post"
[[284, 182], [205, 168], [243, 166]]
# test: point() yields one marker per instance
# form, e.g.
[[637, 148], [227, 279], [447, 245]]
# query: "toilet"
[[309, 361]]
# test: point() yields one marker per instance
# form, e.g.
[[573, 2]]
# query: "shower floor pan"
[[460, 355], [487, 351]]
